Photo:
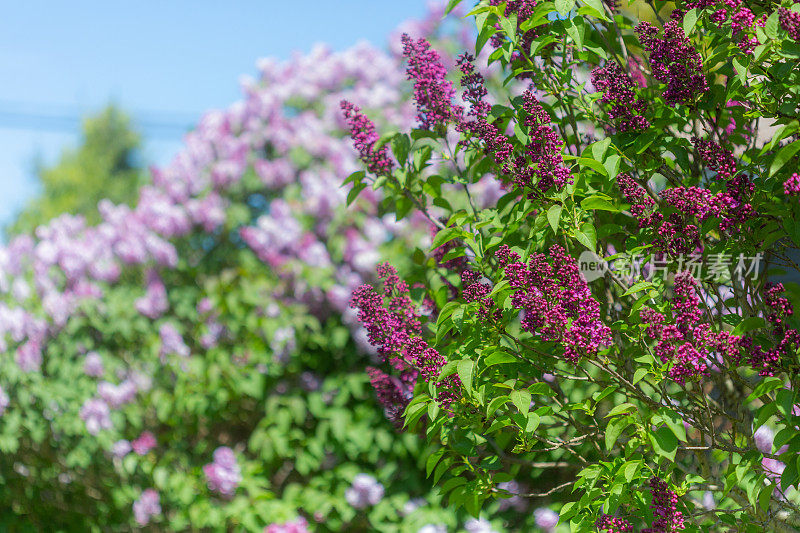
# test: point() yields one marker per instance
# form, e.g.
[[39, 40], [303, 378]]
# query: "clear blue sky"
[[165, 61]]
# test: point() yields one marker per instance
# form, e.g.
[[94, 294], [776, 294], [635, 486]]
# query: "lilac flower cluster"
[[556, 302], [393, 393], [144, 443], [147, 506], [364, 492], [687, 343], [674, 61], [364, 135], [433, 94], [665, 508], [790, 21], [543, 150], [546, 519], [223, 475], [4, 401], [610, 524], [96, 415], [523, 9], [625, 109], [716, 157], [792, 185], [477, 289], [767, 360], [393, 327], [742, 20], [300, 525]]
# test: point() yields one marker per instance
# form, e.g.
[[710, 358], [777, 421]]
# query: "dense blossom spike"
[[625, 109], [665, 508], [433, 94], [717, 158], [364, 135], [610, 524], [790, 21], [674, 61], [556, 302]]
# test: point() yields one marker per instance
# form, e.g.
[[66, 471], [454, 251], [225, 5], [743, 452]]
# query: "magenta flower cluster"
[[147, 506], [792, 185], [767, 361], [687, 343], [300, 525], [433, 94], [674, 61], [626, 110], [364, 135], [665, 509], [555, 301], [393, 327], [742, 19], [790, 21], [611, 524], [223, 475], [364, 492]]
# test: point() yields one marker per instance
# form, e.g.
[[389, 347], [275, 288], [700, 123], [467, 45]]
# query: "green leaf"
[[621, 408], [771, 27], [564, 6], [451, 5], [554, 216], [465, 369], [615, 429], [749, 324], [639, 374], [496, 404], [783, 156], [598, 203], [522, 399], [689, 21], [498, 358], [642, 285], [587, 236], [765, 386], [664, 442], [446, 235], [630, 470], [674, 422]]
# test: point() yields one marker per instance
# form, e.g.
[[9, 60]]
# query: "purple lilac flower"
[[29, 356], [121, 448], [154, 303], [665, 509], [223, 475], [790, 21], [117, 395], [96, 415], [546, 519], [144, 443], [674, 61], [147, 506], [619, 94], [93, 365], [172, 342], [433, 94], [299, 525], [610, 524], [365, 491], [4, 401], [556, 301], [364, 135], [479, 525], [792, 185], [764, 437]]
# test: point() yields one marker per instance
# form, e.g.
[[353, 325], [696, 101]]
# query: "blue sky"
[[165, 61]]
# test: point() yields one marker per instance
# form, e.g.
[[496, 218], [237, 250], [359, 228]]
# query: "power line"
[[20, 116]]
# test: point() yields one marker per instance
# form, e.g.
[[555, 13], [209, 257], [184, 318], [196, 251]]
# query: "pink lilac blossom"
[[717, 158], [121, 448], [674, 61], [626, 110], [792, 185], [154, 303], [29, 356], [790, 21], [764, 436], [299, 525], [556, 302], [96, 415], [223, 474], [365, 491], [117, 395], [4, 401], [433, 94], [172, 342], [147, 506], [144, 443], [93, 365], [479, 525], [546, 519], [610, 524], [768, 361]]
